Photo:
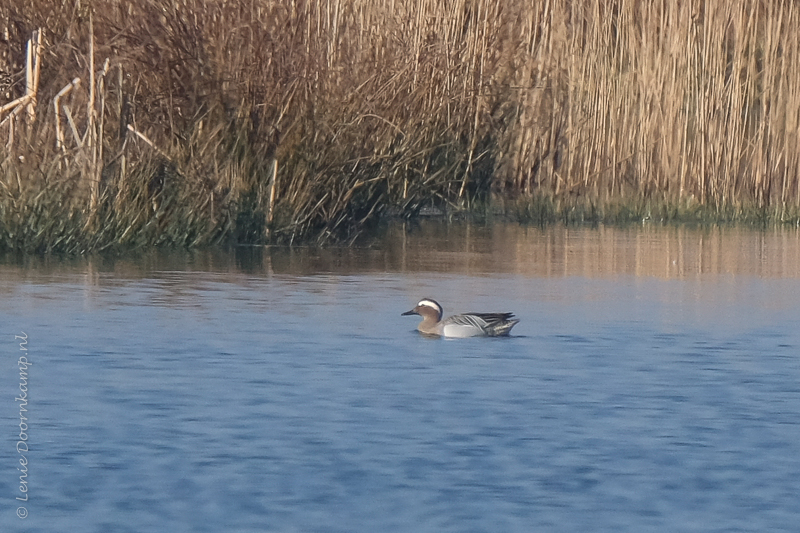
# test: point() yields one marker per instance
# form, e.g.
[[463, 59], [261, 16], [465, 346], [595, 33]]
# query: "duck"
[[464, 325]]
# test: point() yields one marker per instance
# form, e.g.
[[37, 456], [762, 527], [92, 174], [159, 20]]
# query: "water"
[[653, 384]]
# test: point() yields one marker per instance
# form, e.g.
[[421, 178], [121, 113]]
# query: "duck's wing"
[[468, 320], [491, 319], [478, 320], [478, 324]]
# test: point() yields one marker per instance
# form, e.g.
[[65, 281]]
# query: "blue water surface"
[[245, 400]]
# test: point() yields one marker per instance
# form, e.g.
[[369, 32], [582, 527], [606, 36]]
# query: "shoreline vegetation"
[[192, 122]]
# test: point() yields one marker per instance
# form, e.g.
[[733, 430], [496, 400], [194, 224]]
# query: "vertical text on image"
[[22, 442]]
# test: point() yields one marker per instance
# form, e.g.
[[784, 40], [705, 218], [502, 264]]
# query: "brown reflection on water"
[[676, 252]]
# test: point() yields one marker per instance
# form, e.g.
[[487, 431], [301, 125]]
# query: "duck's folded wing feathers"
[[479, 320]]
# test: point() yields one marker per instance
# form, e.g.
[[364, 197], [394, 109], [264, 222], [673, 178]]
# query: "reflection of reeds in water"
[[670, 252], [198, 121], [665, 252]]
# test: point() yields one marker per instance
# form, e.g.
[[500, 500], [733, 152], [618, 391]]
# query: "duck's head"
[[428, 309]]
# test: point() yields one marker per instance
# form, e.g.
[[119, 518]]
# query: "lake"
[[652, 384]]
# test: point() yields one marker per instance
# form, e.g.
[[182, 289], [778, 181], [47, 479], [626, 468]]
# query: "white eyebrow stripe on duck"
[[430, 303]]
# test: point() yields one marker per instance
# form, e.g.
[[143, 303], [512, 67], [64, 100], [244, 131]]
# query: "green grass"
[[544, 210]]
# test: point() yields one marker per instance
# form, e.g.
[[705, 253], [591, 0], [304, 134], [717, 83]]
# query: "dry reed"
[[190, 122]]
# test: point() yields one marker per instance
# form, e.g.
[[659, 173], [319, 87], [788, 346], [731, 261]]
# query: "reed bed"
[[189, 122]]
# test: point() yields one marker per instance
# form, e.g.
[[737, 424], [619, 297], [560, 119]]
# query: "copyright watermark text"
[[22, 441]]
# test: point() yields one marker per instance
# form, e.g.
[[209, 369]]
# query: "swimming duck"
[[466, 325]]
